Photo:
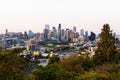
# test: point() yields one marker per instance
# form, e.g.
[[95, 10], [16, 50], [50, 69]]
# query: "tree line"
[[104, 65]]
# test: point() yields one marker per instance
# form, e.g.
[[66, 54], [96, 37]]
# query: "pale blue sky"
[[22, 15]]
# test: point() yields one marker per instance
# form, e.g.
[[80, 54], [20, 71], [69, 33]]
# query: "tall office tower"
[[62, 34], [68, 35], [54, 33], [30, 34], [49, 35], [47, 26], [73, 36], [86, 36], [82, 32], [25, 35], [74, 29], [59, 32], [54, 29], [59, 27], [92, 36], [42, 38], [6, 31], [86, 33], [46, 31], [77, 34]]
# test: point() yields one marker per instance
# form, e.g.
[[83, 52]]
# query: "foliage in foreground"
[[93, 76], [105, 65], [52, 72], [12, 65]]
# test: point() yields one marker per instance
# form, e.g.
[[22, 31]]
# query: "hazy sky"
[[23, 15]]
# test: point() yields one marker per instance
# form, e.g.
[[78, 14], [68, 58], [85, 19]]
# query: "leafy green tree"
[[93, 76], [73, 64], [87, 64], [53, 60], [111, 70], [52, 72], [106, 51], [12, 66]]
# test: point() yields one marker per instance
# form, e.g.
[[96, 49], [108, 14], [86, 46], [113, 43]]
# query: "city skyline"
[[24, 15]]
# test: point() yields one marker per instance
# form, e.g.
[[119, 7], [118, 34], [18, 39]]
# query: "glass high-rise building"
[[86, 33], [59, 32], [74, 29], [47, 27], [82, 32]]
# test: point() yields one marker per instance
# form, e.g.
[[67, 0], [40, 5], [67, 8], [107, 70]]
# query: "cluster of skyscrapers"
[[55, 34], [60, 34]]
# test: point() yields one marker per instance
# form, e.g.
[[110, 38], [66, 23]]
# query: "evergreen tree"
[[106, 51]]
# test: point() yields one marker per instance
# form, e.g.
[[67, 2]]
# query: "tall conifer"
[[106, 50]]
